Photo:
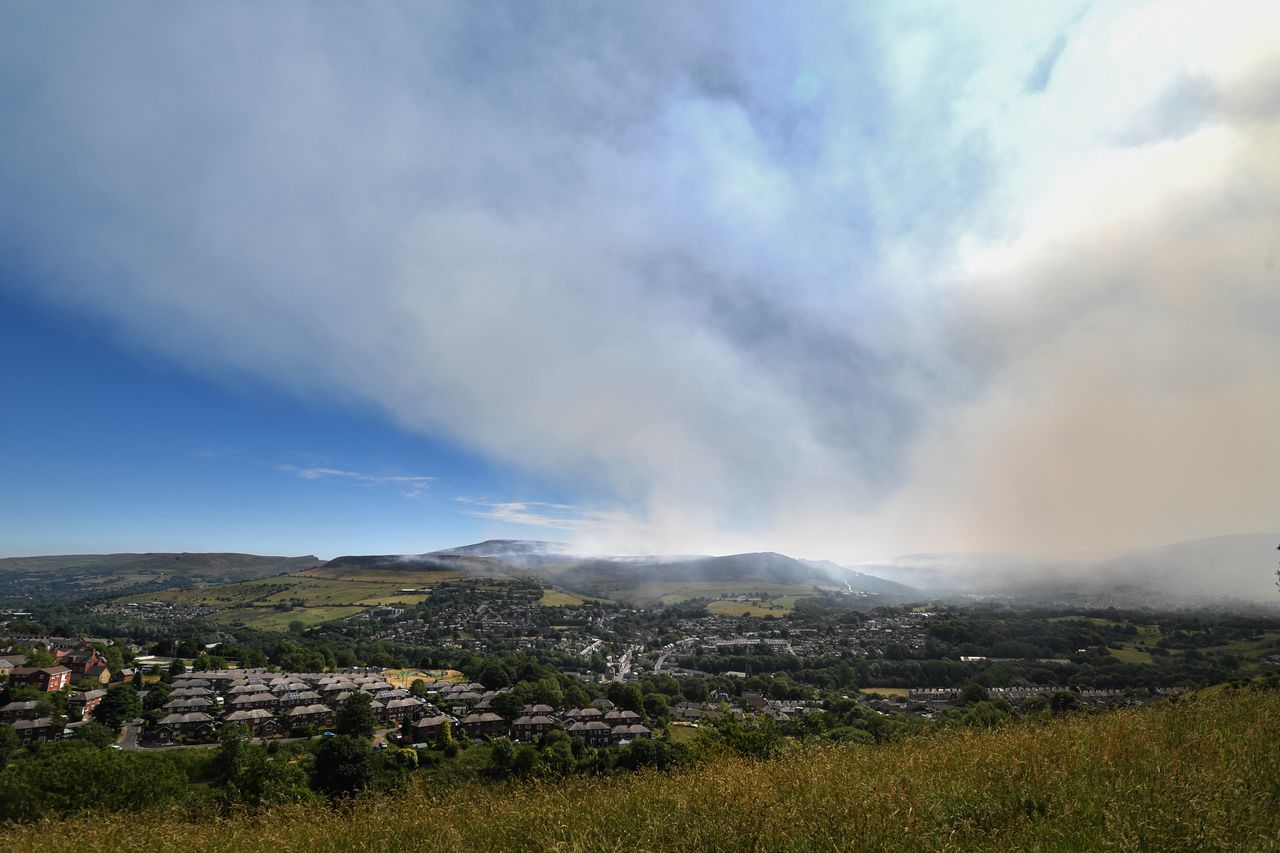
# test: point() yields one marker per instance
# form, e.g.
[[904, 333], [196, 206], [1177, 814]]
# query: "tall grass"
[[1202, 774]]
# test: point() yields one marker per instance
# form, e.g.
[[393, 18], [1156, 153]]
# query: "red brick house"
[[81, 662], [46, 678], [85, 702]]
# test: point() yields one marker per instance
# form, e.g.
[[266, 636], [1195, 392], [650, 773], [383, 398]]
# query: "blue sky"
[[843, 281], [108, 449]]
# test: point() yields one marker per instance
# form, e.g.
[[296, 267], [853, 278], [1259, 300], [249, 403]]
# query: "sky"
[[837, 280]]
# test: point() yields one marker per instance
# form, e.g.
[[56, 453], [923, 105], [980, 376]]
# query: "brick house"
[[40, 730], [480, 725], [252, 701], [94, 675], [426, 729], [531, 727], [308, 715], [29, 710], [85, 702], [625, 734], [259, 721], [397, 710], [49, 679], [81, 662], [195, 724], [594, 733]]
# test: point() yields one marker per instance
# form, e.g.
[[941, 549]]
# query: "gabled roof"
[[25, 705], [42, 723], [192, 717], [254, 714]]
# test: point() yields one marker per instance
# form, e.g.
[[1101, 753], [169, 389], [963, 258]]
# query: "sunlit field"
[[1200, 774]]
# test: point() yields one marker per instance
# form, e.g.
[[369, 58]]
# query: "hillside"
[[72, 575], [1202, 774]]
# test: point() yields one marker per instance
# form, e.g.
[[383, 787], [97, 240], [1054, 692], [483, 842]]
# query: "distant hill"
[[73, 575], [643, 580]]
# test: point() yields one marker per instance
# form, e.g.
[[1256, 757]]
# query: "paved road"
[[128, 738]]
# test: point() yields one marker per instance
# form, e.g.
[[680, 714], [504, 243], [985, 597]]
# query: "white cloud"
[[414, 485], [835, 283]]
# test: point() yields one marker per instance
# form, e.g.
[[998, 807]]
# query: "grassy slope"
[[1203, 774]]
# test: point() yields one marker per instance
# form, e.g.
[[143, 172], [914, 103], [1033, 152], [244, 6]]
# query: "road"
[[668, 649], [624, 663], [128, 738]]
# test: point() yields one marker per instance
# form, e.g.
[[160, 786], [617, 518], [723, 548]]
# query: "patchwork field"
[[271, 619], [310, 597], [747, 608], [560, 598], [1129, 654], [674, 592]]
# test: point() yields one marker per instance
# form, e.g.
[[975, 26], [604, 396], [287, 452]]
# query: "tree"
[[655, 706], [502, 755], [114, 657], [9, 744], [344, 766], [157, 696], [119, 705], [418, 688], [971, 694], [526, 761], [177, 668], [1063, 701], [355, 716], [248, 775], [507, 705], [494, 677], [444, 735], [627, 696], [96, 734]]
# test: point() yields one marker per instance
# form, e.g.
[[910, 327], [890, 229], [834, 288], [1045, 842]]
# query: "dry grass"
[[1200, 775]]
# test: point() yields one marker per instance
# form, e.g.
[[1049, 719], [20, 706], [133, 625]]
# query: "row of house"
[[597, 726]]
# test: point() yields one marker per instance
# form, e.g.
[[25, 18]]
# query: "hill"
[[644, 581], [75, 575], [1201, 774]]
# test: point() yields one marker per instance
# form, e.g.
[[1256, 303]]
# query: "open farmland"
[[311, 597], [674, 592], [746, 608]]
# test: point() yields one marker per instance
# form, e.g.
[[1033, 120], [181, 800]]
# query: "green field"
[[564, 598], [1130, 655], [898, 692], [313, 596], [270, 619], [746, 608], [674, 592], [1201, 774]]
